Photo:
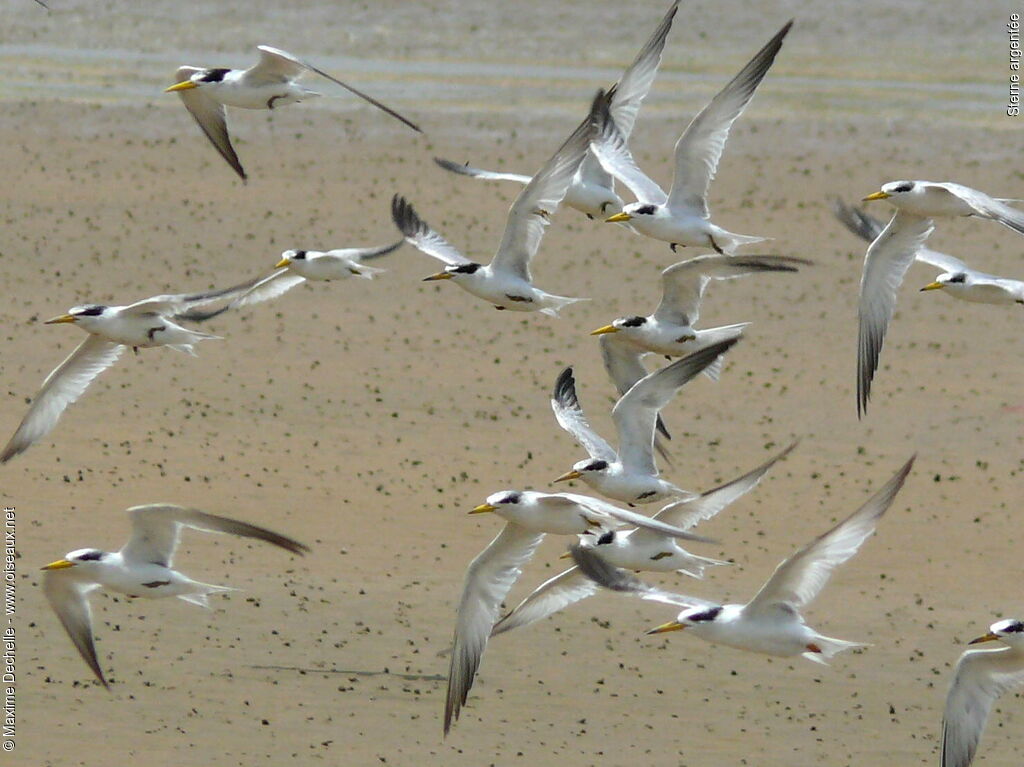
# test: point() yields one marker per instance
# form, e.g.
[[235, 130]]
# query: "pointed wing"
[[687, 513], [570, 417], [278, 64], [365, 254], [801, 577], [985, 206], [61, 388], [156, 528], [700, 147], [626, 96], [419, 234], [536, 204], [464, 169], [683, 284], [555, 594], [182, 305], [885, 264], [868, 228], [612, 516], [632, 88], [610, 147], [980, 678], [211, 118], [622, 361], [490, 576], [273, 285], [593, 566], [636, 412], [68, 594]]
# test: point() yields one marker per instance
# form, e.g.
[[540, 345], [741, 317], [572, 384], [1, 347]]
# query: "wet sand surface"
[[366, 418]]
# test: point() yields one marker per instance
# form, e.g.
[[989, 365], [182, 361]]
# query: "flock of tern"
[[611, 542]]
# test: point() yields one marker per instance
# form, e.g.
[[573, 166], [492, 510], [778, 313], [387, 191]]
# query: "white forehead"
[[503, 496]]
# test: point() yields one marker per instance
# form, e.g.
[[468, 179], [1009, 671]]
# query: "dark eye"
[[511, 498], [214, 75], [466, 268], [904, 186], [607, 538], [634, 322], [90, 556], [958, 277], [707, 615], [1015, 627], [90, 311], [299, 254], [645, 210], [596, 466]]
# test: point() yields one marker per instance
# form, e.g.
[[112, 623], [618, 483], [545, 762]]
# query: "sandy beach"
[[366, 418]]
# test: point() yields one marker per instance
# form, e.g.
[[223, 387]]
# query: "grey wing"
[[418, 233], [591, 172], [593, 566], [980, 678], [611, 516], [183, 305], [632, 88], [61, 388], [68, 595], [622, 361], [366, 254], [943, 261], [683, 284], [610, 147], [537, 203], [569, 414], [985, 206], [636, 412], [626, 96], [687, 513], [281, 64], [275, 65], [156, 528], [488, 580], [251, 291], [682, 287], [700, 147], [211, 118], [464, 169], [801, 577], [885, 264], [868, 228], [269, 287], [555, 594], [862, 224], [624, 365]]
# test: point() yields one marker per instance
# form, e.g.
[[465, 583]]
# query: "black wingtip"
[[564, 392]]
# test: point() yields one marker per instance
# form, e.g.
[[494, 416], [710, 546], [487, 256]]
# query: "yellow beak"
[[877, 196], [617, 218], [483, 508], [282, 262], [60, 564], [989, 637], [438, 276], [61, 318], [670, 626], [568, 475], [185, 86], [565, 555], [602, 330], [933, 286]]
